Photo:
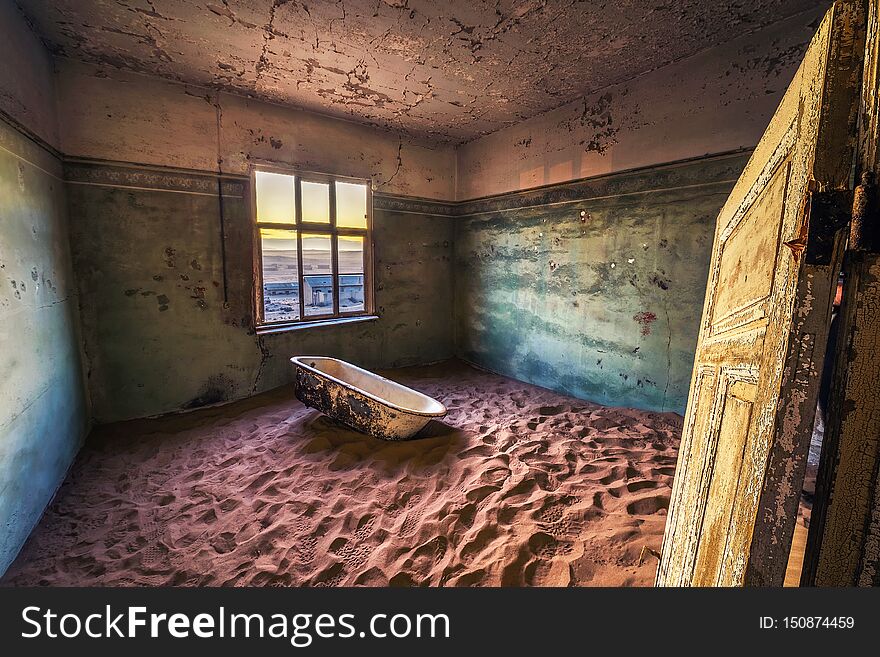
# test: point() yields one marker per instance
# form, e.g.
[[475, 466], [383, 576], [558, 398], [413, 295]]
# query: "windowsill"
[[268, 329]]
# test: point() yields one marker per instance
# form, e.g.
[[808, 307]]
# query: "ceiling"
[[443, 70]]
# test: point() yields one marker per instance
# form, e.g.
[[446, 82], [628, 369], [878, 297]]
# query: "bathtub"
[[364, 401]]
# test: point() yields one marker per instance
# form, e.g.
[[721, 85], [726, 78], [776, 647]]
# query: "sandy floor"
[[518, 486]]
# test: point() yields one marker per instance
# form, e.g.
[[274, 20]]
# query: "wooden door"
[[778, 244]]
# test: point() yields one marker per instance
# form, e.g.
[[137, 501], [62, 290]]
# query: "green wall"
[[161, 335], [43, 409], [594, 289]]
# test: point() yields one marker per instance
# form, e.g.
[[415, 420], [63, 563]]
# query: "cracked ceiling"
[[438, 70]]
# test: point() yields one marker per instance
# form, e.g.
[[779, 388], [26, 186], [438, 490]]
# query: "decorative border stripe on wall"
[[412, 205], [691, 174], [91, 172]]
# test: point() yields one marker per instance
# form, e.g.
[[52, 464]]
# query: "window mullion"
[[334, 251], [299, 250]]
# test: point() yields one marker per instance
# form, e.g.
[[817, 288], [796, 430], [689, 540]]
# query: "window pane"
[[280, 275], [275, 196], [317, 274], [351, 274], [351, 205], [315, 202]]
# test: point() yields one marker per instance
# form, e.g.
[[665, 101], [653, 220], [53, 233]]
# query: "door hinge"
[[864, 231], [829, 213]]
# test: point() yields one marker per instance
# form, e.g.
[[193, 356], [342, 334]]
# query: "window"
[[314, 246]]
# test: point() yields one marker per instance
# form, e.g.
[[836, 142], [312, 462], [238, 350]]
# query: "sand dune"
[[517, 486]]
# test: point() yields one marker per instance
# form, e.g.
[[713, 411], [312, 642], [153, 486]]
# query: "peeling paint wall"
[[43, 408], [158, 333], [121, 116], [716, 101], [593, 289]]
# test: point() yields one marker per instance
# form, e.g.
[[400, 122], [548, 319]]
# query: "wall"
[[159, 331], [713, 102], [27, 96], [144, 158], [595, 288], [43, 408], [163, 334], [608, 309], [120, 116]]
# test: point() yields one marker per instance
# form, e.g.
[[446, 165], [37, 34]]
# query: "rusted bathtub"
[[362, 400]]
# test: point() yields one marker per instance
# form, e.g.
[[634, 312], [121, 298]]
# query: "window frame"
[[299, 227]]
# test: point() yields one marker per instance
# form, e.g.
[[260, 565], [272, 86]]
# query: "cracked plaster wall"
[[115, 115], [43, 405], [596, 290]]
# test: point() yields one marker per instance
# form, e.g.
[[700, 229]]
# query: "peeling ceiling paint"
[[440, 70]]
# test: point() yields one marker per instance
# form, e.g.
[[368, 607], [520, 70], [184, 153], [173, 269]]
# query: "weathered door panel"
[[764, 328], [735, 418]]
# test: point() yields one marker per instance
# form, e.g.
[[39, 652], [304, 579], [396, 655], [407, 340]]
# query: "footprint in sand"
[[306, 543], [496, 476], [165, 500], [554, 508], [479, 543], [372, 577], [223, 542], [403, 579], [260, 481], [648, 505], [635, 486], [354, 554], [545, 546], [464, 516], [431, 552], [469, 579], [521, 492], [477, 495], [197, 475], [364, 527], [412, 519]]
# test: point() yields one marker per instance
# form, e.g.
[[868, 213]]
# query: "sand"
[[517, 486]]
